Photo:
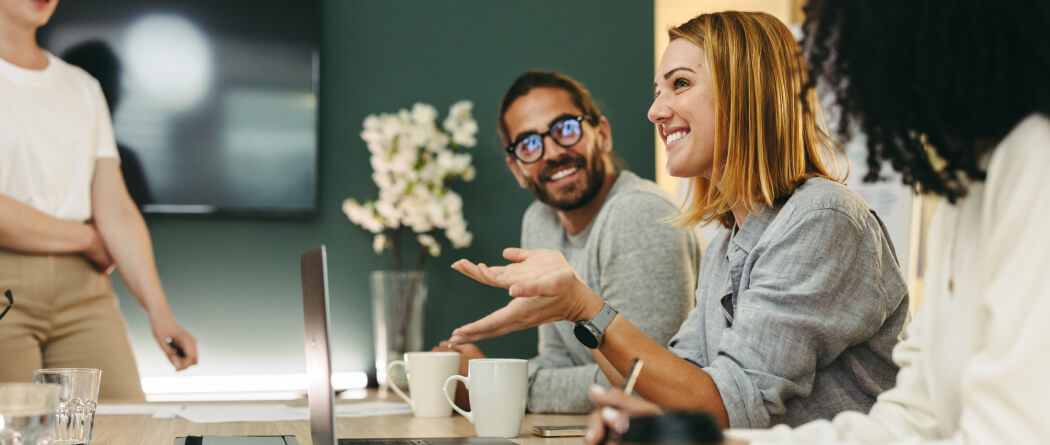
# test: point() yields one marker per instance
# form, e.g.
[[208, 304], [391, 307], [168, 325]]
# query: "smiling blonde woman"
[[799, 302]]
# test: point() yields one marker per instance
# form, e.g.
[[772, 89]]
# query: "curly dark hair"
[[928, 79]]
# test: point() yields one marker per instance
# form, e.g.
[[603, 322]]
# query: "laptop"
[[314, 269]]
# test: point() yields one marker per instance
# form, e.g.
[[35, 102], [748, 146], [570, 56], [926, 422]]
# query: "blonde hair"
[[768, 140]]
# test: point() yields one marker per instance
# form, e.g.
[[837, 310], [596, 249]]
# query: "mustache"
[[565, 161]]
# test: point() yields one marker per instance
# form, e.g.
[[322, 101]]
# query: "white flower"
[[416, 135], [465, 137], [438, 141], [469, 174], [459, 237], [379, 243], [429, 243], [389, 126], [436, 213], [424, 113], [362, 215], [460, 110], [389, 212], [382, 180], [413, 161]]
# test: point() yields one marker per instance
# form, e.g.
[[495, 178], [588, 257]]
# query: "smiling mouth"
[[676, 136], [561, 174]]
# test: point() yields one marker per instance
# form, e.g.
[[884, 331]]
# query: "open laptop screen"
[[314, 270]]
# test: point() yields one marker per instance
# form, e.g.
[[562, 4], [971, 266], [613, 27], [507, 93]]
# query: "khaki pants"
[[65, 315]]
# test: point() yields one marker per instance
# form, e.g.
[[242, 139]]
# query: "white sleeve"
[[1003, 389], [105, 143]]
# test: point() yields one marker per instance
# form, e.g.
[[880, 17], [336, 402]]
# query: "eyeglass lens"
[[565, 132]]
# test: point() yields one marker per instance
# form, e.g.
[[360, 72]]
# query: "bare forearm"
[[26, 229], [125, 234], [610, 371], [667, 380]]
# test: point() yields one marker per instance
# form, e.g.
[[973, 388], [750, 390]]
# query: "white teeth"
[[563, 173], [674, 137]]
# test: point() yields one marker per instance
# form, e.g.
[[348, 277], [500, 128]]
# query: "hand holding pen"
[[615, 408]]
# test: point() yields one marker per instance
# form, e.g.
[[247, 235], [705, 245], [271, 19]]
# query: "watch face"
[[586, 336]]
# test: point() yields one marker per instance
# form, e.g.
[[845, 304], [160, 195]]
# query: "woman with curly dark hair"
[[954, 95]]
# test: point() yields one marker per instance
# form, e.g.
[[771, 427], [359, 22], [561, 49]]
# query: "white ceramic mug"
[[426, 372], [498, 388]]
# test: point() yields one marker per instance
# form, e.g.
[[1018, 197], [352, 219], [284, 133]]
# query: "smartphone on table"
[[580, 430], [560, 431]]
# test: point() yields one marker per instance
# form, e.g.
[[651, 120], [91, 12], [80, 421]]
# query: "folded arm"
[[26, 229]]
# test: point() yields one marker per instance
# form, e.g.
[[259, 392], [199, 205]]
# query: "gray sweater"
[[630, 256]]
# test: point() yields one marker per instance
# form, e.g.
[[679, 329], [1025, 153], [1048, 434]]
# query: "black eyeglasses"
[[565, 131], [10, 302]]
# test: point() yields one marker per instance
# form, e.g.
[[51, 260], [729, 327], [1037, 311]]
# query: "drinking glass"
[[27, 413], [75, 410]]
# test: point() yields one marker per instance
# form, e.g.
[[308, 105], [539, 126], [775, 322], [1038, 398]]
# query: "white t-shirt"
[[973, 369], [54, 125]]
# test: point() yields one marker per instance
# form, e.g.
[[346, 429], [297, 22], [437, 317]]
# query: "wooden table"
[[140, 430]]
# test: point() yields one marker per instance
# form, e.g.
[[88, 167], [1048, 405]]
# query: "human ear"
[[515, 169], [605, 133]]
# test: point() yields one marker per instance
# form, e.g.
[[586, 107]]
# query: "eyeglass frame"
[[543, 136], [10, 303]]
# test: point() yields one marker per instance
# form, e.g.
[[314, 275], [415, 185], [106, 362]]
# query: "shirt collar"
[[746, 236]]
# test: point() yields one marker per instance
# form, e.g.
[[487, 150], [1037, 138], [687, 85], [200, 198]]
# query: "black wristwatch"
[[592, 332]]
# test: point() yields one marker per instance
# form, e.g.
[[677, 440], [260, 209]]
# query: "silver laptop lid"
[[314, 270]]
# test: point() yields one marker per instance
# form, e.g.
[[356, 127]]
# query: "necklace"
[[953, 245]]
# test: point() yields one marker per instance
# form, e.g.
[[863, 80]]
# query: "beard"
[[570, 196]]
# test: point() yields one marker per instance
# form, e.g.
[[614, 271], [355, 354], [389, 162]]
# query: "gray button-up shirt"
[[798, 310]]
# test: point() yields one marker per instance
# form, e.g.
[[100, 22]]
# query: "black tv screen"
[[214, 103]]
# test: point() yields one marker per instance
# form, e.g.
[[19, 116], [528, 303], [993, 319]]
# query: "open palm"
[[545, 289]]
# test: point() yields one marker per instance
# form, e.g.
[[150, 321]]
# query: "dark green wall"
[[234, 282]]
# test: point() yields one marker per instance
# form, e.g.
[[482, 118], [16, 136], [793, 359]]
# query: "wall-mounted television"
[[214, 103]]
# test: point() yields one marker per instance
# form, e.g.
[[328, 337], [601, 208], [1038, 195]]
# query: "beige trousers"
[[65, 315]]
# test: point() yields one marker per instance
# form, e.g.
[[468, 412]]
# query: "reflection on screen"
[[213, 103]]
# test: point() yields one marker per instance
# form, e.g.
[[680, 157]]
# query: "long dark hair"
[[931, 82]]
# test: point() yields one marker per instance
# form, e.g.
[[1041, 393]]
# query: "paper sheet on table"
[[365, 409], [276, 412], [140, 409], [240, 413]]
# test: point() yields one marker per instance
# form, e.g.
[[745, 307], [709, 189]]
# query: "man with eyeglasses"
[[611, 226]]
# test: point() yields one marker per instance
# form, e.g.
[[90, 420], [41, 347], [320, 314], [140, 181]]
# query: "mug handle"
[[466, 382], [393, 385]]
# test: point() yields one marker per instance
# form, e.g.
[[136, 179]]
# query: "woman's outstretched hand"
[[545, 289]]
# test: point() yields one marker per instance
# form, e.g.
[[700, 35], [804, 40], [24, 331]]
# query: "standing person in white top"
[[956, 96], [66, 219]]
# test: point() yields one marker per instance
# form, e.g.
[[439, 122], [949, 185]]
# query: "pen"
[[178, 350], [610, 413], [632, 376]]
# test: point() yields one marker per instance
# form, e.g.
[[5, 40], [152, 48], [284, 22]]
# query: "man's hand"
[[467, 352], [545, 289]]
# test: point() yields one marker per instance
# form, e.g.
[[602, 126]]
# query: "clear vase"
[[397, 305]]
